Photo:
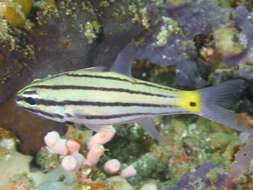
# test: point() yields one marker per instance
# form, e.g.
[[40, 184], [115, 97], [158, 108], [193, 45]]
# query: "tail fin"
[[212, 98]]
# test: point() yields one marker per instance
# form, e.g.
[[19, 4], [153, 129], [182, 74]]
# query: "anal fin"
[[225, 117]]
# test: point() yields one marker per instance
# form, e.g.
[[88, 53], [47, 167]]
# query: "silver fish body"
[[98, 98], [95, 98]]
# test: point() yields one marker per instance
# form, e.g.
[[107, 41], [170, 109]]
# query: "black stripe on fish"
[[115, 116], [63, 87], [30, 92], [81, 103], [86, 103], [97, 76], [119, 79], [45, 113]]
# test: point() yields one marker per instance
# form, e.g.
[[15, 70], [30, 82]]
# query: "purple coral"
[[198, 179], [246, 72], [198, 18], [240, 166], [244, 22], [178, 48]]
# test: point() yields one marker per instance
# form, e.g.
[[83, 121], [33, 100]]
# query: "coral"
[[55, 186], [47, 160], [72, 162], [69, 149], [241, 52], [55, 143], [112, 166], [15, 166], [168, 45], [128, 172], [188, 16], [200, 178], [92, 29], [73, 146], [58, 179], [12, 164], [8, 139], [118, 183], [227, 41], [94, 155], [149, 186], [148, 165], [221, 140], [22, 182], [67, 35], [101, 137], [15, 11], [49, 37], [240, 167], [244, 21], [246, 71]]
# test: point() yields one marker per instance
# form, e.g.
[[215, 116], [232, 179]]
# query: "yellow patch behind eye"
[[190, 100]]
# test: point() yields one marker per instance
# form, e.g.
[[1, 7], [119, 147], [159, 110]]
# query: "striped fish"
[[96, 98]]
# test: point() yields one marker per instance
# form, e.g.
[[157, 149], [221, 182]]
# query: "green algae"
[[149, 166], [47, 160], [92, 29], [220, 140], [166, 31]]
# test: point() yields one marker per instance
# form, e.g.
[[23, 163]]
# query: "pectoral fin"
[[99, 128], [147, 124]]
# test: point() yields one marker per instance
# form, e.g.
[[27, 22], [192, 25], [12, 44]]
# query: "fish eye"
[[30, 101], [193, 104]]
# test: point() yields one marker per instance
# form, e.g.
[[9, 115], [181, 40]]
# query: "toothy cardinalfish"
[[97, 99]]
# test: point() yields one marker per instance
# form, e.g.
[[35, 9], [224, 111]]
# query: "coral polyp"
[[15, 11]]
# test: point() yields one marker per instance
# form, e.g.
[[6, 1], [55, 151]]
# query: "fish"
[[97, 98]]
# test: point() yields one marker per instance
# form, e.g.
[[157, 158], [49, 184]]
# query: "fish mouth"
[[18, 100]]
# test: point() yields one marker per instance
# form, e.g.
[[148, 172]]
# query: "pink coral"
[[51, 138], [94, 154], [55, 143], [128, 172], [69, 163], [101, 137], [73, 145], [112, 166]]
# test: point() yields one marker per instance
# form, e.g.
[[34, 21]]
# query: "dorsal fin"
[[90, 69], [123, 62]]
